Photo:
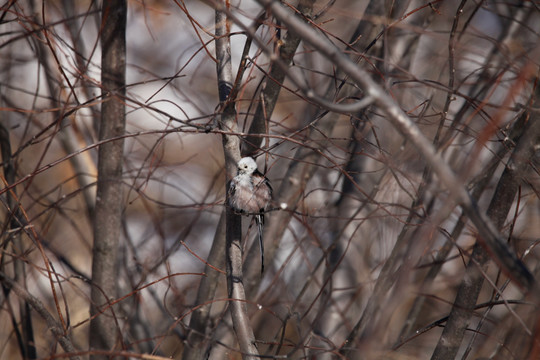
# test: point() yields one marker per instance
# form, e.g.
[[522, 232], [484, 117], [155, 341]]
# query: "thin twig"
[[55, 327]]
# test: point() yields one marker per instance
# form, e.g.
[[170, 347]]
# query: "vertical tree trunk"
[[108, 211]]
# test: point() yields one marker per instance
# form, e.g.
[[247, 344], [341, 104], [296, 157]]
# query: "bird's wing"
[[267, 182], [231, 190], [264, 181]]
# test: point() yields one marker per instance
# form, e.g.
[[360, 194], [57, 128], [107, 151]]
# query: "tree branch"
[[231, 149], [498, 209], [490, 236], [109, 199], [37, 305]]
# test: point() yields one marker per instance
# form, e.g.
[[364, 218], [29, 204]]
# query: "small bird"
[[250, 193]]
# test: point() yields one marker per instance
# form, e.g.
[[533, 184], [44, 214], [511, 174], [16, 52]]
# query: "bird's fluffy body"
[[249, 192]]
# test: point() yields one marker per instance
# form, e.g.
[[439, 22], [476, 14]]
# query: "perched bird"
[[250, 193]]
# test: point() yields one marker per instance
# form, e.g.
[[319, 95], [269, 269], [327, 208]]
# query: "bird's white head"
[[247, 166]]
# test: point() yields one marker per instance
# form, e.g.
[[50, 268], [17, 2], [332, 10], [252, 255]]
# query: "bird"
[[250, 193]]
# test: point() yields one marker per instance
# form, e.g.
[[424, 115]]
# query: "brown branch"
[[274, 82], [25, 336], [109, 199], [231, 148], [490, 236], [53, 325], [501, 202], [200, 318]]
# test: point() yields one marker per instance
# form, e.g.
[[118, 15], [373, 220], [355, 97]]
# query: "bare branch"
[[231, 148], [109, 198], [490, 236], [53, 325], [501, 202]]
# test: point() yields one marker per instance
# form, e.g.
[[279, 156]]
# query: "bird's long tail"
[[259, 219]]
